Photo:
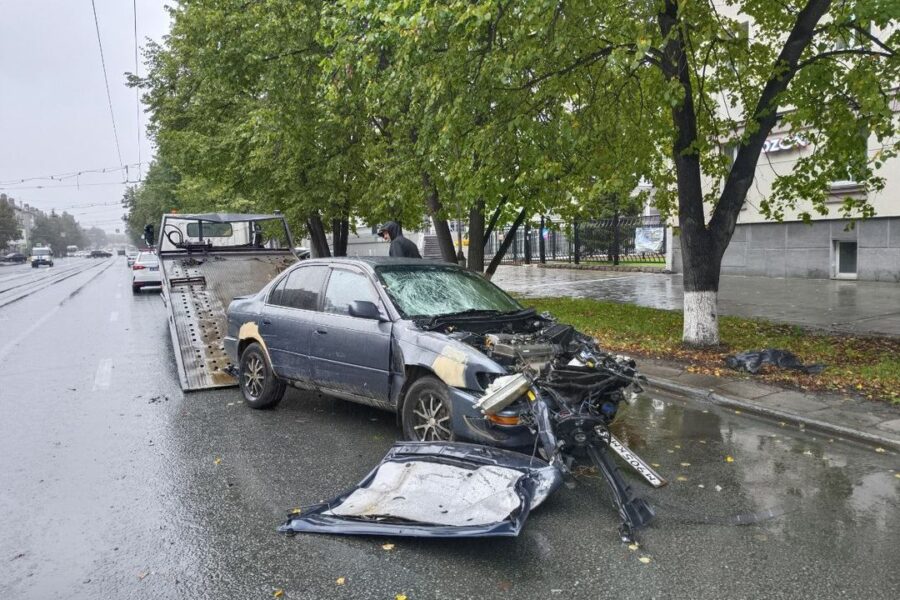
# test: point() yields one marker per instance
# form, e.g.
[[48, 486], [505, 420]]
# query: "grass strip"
[[864, 365]]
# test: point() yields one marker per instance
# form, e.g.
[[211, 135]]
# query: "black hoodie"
[[400, 246]]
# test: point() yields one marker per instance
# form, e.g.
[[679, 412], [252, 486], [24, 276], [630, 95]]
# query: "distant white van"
[[41, 256]]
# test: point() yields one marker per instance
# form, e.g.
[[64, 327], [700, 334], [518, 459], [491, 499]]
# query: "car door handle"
[[266, 322], [320, 331]]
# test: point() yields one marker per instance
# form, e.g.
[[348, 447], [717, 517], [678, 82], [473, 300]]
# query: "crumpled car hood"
[[428, 489]]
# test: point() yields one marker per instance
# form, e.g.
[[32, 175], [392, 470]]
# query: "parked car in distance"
[[41, 256], [14, 257], [100, 254], [130, 257], [145, 272]]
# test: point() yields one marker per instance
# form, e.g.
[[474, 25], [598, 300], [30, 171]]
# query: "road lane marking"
[[104, 375], [577, 281], [113, 317]]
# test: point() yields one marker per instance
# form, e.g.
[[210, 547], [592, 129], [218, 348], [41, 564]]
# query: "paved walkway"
[[849, 306]]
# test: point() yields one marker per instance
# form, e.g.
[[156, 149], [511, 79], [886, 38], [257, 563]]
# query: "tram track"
[[24, 289]]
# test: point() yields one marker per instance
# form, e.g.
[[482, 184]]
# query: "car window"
[[301, 288], [345, 287]]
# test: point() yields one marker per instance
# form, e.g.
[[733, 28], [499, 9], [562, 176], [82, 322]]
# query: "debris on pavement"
[[425, 489], [753, 361]]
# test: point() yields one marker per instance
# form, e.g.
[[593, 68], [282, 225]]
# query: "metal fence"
[[619, 240]]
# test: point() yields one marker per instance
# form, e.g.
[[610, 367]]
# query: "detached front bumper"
[[471, 425]]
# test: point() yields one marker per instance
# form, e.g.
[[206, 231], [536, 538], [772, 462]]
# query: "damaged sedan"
[[454, 356]]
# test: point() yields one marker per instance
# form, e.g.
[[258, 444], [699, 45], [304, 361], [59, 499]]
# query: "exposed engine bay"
[[567, 391]]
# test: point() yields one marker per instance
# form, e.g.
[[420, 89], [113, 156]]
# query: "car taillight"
[[138, 267]]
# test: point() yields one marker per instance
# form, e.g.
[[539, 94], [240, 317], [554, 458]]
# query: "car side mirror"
[[365, 310]]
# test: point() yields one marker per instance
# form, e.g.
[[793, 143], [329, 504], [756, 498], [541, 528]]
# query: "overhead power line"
[[68, 174], [106, 81], [66, 185], [137, 92]]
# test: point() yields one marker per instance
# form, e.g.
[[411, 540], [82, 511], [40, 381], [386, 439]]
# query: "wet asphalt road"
[[113, 484]]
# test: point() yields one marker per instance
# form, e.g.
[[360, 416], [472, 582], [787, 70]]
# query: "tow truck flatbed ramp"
[[201, 274]]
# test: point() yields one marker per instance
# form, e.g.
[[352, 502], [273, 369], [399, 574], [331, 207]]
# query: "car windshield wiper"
[[474, 312]]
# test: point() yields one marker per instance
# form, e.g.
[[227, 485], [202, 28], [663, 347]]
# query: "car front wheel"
[[259, 385], [426, 413]]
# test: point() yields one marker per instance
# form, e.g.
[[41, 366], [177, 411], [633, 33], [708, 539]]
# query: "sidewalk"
[[876, 423], [857, 307]]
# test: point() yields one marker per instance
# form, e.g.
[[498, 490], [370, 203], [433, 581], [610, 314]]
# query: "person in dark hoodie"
[[400, 246]]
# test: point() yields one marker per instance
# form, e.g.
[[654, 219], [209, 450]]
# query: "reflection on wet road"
[[115, 484]]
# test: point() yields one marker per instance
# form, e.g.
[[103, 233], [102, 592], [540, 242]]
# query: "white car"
[[130, 257], [145, 272]]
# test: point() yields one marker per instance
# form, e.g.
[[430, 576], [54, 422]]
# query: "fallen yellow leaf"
[[685, 464], [897, 475], [278, 593], [400, 597], [296, 511], [645, 559], [677, 446], [632, 546], [657, 465], [737, 412], [340, 580], [217, 461], [880, 450], [387, 546], [681, 478], [729, 459]]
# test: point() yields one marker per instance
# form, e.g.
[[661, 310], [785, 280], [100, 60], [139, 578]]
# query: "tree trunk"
[[507, 241], [433, 203], [542, 245], [702, 245], [339, 231], [317, 236], [476, 237], [494, 218]]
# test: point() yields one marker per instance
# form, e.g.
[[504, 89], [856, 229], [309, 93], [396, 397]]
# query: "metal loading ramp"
[[197, 290]]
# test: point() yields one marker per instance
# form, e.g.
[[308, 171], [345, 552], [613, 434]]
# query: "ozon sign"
[[789, 142]]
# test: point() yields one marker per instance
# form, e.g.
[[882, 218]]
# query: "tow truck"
[[206, 260]]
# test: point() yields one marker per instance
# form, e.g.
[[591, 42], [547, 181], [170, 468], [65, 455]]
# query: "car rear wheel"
[[259, 385], [426, 413]]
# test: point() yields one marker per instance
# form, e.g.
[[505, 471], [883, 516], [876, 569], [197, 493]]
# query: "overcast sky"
[[54, 114]]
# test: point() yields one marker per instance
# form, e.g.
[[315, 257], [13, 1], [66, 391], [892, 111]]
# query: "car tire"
[[260, 386], [426, 415], [135, 289], [34, 266]]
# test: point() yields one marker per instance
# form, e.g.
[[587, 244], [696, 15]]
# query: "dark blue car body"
[[368, 360]]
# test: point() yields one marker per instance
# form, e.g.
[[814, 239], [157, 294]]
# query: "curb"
[[773, 414], [622, 268]]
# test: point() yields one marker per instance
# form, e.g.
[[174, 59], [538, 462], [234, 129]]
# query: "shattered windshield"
[[429, 291]]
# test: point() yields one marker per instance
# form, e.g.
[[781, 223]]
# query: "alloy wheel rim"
[[254, 377], [431, 419]]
